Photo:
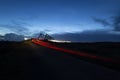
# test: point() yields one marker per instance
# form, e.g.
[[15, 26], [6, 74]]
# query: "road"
[[55, 65]]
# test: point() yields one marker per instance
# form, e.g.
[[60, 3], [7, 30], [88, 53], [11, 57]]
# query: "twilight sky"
[[58, 16]]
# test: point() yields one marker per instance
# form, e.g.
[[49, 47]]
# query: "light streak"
[[48, 45]]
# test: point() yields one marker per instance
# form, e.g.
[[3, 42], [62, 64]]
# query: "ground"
[[28, 61]]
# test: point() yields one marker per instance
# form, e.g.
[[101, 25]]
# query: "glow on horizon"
[[52, 29], [60, 41], [4, 31]]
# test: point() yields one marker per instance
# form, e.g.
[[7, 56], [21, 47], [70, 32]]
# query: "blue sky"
[[55, 16]]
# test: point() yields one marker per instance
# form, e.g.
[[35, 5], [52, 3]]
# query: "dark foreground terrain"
[[107, 49], [27, 61]]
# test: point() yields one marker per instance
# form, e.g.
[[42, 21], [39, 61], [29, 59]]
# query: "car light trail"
[[48, 45]]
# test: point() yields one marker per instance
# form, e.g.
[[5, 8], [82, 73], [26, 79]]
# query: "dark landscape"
[[25, 60], [107, 49]]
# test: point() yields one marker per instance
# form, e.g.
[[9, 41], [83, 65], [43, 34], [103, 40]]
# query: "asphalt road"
[[47, 64]]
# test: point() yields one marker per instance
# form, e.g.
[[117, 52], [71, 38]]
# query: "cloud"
[[17, 27], [46, 30], [116, 23], [89, 36], [101, 21]]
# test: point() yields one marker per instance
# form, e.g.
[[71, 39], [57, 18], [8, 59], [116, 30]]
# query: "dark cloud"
[[116, 23], [89, 36], [101, 21], [17, 27], [46, 30]]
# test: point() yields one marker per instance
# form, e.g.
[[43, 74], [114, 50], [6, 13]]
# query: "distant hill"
[[11, 37], [89, 36]]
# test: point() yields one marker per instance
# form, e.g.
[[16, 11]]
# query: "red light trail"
[[48, 45]]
